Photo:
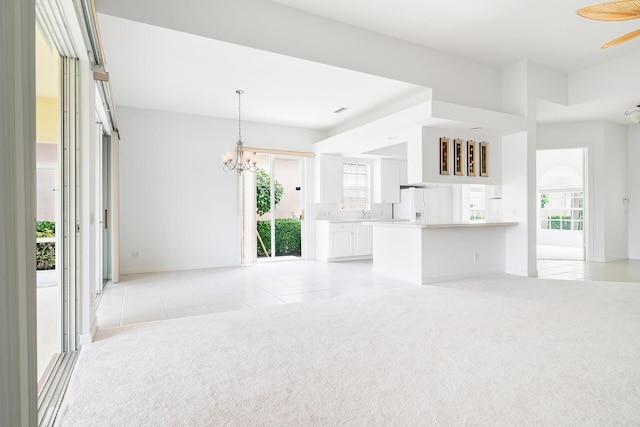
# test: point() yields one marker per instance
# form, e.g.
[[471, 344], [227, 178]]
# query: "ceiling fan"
[[614, 11]]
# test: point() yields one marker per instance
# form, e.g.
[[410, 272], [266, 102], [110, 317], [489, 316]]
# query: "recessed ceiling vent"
[[340, 110]]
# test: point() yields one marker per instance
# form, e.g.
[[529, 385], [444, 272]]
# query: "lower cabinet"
[[362, 239], [340, 241], [341, 244]]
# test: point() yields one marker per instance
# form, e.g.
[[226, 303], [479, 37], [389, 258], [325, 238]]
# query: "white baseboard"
[[90, 336], [450, 277]]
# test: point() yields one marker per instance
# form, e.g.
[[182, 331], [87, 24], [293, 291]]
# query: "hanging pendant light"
[[243, 161]]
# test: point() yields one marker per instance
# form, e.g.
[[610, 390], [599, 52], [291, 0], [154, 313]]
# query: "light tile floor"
[[613, 271], [156, 296]]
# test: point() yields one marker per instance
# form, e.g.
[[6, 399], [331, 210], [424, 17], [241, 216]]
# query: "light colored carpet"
[[495, 351]]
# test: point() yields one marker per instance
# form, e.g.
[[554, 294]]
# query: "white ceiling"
[[159, 68], [497, 32]]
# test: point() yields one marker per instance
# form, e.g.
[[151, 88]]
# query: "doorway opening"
[[561, 202], [279, 208]]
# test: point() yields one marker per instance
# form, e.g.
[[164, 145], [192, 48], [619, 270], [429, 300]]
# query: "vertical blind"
[[355, 185]]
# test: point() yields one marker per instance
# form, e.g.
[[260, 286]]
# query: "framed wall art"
[[444, 156], [458, 169], [471, 158], [484, 159]]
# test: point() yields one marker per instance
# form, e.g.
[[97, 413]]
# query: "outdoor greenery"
[[287, 229], [544, 200], [287, 236], [45, 251], [560, 222], [263, 192]]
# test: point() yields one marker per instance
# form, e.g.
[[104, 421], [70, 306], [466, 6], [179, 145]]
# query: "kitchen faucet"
[[366, 213]]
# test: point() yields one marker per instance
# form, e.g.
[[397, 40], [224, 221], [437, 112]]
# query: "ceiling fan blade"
[[621, 39], [612, 11]]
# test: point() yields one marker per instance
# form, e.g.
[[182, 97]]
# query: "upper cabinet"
[[403, 172], [389, 174], [328, 178]]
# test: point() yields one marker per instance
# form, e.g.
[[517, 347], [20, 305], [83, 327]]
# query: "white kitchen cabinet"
[[362, 240], [403, 172], [328, 178], [341, 244], [387, 179], [343, 241]]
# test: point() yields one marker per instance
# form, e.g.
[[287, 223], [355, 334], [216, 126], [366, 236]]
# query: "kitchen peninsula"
[[426, 253]]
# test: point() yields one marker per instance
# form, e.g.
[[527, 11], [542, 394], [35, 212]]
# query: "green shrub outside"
[[287, 236], [560, 222], [45, 229], [45, 251]]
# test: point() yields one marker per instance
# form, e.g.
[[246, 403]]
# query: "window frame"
[[344, 204], [576, 214]]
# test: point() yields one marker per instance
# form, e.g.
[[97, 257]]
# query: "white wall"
[[178, 208], [515, 203], [607, 79], [616, 224], [287, 173], [606, 225], [429, 163], [633, 179], [570, 163]]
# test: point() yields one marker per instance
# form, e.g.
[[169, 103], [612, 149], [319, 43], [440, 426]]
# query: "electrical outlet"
[[135, 254]]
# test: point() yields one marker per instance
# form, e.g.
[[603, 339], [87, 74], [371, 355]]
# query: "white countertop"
[[358, 220], [407, 224]]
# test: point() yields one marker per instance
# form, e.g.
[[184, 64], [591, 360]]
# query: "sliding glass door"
[[278, 226], [48, 207]]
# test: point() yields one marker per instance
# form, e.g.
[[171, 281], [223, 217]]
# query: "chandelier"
[[633, 115], [243, 161]]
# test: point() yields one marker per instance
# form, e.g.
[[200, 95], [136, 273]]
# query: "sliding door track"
[[52, 392]]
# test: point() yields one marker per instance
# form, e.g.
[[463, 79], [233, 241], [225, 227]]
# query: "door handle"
[[105, 219]]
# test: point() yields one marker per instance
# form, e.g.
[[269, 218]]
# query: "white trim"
[[46, 165], [86, 220], [89, 336], [69, 183], [115, 208], [54, 26], [101, 110], [275, 152]]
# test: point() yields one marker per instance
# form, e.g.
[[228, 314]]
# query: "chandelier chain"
[[239, 92]]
